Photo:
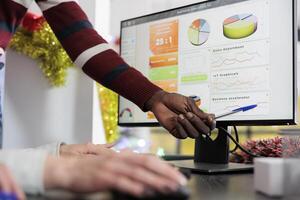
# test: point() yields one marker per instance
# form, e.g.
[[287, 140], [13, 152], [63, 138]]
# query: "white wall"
[[35, 113], [103, 18]]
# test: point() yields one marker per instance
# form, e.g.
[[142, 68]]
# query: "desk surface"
[[214, 187]]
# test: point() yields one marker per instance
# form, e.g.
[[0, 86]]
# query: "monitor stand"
[[212, 157]]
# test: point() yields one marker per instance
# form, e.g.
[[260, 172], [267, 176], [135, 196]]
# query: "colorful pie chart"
[[198, 32], [240, 26]]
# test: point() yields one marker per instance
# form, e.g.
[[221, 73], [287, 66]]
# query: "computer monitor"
[[229, 53]]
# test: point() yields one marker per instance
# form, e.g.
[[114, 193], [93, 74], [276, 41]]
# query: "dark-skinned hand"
[[180, 115]]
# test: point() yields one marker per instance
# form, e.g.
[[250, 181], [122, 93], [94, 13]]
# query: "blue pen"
[[241, 109]]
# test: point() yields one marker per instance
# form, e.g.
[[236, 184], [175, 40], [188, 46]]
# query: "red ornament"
[[32, 22]]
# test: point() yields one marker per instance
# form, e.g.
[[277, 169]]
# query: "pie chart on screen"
[[240, 26], [198, 32]]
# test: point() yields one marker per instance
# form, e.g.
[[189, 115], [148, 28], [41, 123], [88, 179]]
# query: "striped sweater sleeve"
[[11, 15], [91, 52]]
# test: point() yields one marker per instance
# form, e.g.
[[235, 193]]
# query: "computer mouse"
[[181, 194], [186, 172]]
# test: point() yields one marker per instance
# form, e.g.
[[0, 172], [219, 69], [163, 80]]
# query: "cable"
[[236, 138], [236, 134], [238, 145]]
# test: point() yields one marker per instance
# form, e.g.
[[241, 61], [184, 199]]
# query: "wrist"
[[56, 173], [157, 97]]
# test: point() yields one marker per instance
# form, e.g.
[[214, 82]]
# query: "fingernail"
[[181, 117], [189, 115], [182, 180], [213, 125]]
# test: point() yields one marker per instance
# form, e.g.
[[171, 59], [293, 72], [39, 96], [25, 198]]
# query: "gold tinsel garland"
[[36, 40], [43, 46], [109, 109]]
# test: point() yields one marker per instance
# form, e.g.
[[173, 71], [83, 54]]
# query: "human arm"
[[37, 172], [91, 53], [11, 15]]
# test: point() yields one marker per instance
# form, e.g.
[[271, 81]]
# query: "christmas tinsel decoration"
[[279, 147], [35, 39], [109, 108]]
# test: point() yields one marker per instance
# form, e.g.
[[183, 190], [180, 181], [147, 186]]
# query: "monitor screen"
[[227, 53]]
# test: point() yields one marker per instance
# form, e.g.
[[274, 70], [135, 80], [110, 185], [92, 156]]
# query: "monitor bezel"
[[266, 122]]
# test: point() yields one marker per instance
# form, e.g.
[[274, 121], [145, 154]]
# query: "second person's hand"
[[180, 115]]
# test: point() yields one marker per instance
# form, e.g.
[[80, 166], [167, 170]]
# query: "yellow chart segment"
[[240, 26]]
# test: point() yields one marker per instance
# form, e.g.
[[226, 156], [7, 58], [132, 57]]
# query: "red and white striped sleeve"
[[91, 52], [11, 15]]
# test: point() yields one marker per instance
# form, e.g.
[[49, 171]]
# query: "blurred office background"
[[35, 113]]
